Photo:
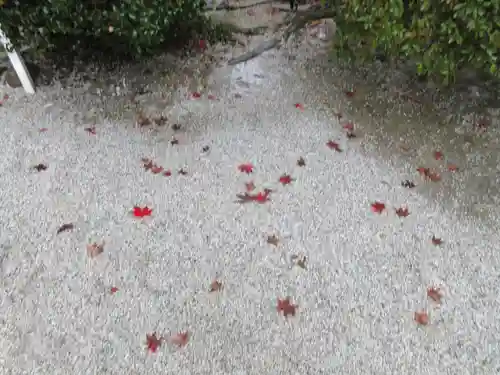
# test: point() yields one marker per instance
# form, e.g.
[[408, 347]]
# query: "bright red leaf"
[[113, 290], [246, 168], [438, 155], [378, 207], [196, 95], [421, 318], [153, 342], [286, 179], [180, 339], [91, 130], [260, 197], [167, 173], [334, 146], [299, 106], [402, 212], [286, 307], [434, 294], [142, 211]]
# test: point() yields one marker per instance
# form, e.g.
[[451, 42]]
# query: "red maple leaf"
[[250, 186], [378, 207], [436, 241], [349, 126], [142, 211], [246, 168], [299, 106], [285, 307], [438, 155], [167, 173], [402, 212], [113, 290], [196, 95], [180, 339], [334, 146], [260, 197], [434, 294], [153, 342], [421, 318], [286, 179], [91, 130]]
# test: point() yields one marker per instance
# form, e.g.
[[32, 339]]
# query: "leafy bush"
[[440, 36], [129, 28]]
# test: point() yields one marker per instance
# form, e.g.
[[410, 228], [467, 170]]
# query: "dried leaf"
[[182, 172], [211, 97], [273, 240], [434, 294], [436, 241], [215, 286], [301, 162], [285, 307], [160, 121], [143, 120], [378, 207], [205, 148], [402, 212], [286, 179], [142, 211], [299, 261], [91, 130], [176, 127], [42, 130], [334, 146], [153, 342], [95, 249], [180, 339], [40, 167], [421, 318], [174, 141], [408, 184], [65, 228]]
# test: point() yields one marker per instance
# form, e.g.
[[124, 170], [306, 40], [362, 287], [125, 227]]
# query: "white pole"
[[18, 64]]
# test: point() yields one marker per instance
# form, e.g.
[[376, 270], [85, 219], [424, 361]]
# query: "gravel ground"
[[365, 276]]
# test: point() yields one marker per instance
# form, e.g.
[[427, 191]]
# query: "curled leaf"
[[65, 228], [40, 167], [299, 106], [155, 169], [301, 162], [196, 95], [167, 173]]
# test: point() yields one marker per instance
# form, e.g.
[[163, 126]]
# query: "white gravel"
[[366, 273]]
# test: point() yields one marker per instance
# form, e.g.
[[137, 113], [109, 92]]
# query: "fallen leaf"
[[408, 184], [246, 168], [428, 174], [350, 93], [167, 173], [40, 167], [90, 130], [180, 339], [452, 168], [285, 307], [153, 342], [113, 290], [211, 97], [202, 44], [65, 228], [421, 318], [434, 294], [215, 286], [176, 127], [205, 148], [259, 197], [423, 171], [301, 162], [142, 211], [155, 169], [402, 212], [196, 95], [143, 120], [349, 126], [174, 141], [436, 241], [94, 249], [250, 186], [182, 172], [148, 164], [41, 130], [438, 155], [299, 261], [350, 135], [299, 106], [378, 207], [334, 146], [286, 179], [273, 240]]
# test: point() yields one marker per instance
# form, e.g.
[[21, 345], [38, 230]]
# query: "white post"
[[18, 64]]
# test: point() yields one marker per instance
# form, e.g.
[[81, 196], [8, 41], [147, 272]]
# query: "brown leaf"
[[174, 141], [273, 240], [436, 241], [40, 167], [299, 261], [182, 172], [94, 249], [143, 120], [301, 162], [434, 294], [215, 286], [160, 121], [65, 227], [176, 127]]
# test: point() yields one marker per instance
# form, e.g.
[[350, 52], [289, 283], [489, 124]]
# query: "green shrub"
[[440, 36], [129, 28]]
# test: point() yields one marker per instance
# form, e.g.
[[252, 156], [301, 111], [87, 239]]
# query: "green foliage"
[[440, 36], [129, 28]]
